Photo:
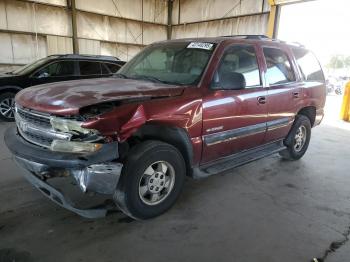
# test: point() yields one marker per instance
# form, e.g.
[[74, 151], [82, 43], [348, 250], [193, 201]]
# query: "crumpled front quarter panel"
[[183, 111]]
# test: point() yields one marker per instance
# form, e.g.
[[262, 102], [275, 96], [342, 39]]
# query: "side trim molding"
[[241, 132], [275, 124]]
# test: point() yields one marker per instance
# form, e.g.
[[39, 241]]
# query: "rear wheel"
[[151, 180], [7, 106], [298, 139]]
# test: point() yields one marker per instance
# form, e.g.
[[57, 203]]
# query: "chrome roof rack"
[[101, 57], [258, 37], [266, 38]]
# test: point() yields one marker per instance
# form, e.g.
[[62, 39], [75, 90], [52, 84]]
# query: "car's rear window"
[[89, 68], [309, 66]]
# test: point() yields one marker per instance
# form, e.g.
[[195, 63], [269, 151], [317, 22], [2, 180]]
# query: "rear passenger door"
[[283, 92]]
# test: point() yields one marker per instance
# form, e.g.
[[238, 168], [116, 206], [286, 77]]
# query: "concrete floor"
[[270, 210]]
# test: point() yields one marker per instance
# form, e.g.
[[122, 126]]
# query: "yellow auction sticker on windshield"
[[200, 45]]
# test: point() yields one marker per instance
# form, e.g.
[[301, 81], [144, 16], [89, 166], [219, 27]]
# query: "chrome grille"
[[36, 128], [36, 139], [34, 117]]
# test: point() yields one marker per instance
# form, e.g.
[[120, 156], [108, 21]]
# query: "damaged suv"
[[190, 107]]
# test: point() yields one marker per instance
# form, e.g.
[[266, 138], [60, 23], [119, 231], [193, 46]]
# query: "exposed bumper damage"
[[91, 172]]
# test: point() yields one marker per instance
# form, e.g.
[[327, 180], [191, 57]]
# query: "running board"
[[238, 159]]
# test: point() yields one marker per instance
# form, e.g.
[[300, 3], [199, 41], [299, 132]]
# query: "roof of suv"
[[248, 38], [87, 57]]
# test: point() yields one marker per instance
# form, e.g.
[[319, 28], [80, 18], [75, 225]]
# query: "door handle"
[[296, 94], [262, 100]]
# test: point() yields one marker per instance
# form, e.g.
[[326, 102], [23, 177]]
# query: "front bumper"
[[92, 172]]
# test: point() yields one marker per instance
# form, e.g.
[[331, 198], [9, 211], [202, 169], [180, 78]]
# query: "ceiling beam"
[[283, 2]]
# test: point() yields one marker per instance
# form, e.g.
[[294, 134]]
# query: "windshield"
[[170, 63], [32, 66]]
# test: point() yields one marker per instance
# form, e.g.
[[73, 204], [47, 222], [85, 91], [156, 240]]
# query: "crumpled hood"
[[66, 98]]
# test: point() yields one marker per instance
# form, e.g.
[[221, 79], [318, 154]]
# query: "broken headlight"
[[69, 126], [74, 147], [98, 109]]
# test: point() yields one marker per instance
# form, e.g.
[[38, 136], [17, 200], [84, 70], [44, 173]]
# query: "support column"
[[273, 19], [170, 18], [72, 7]]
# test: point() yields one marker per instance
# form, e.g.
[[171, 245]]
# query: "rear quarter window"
[[309, 66]]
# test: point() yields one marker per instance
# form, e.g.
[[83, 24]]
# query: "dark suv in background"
[[54, 68]]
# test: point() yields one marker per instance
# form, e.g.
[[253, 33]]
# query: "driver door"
[[234, 114]]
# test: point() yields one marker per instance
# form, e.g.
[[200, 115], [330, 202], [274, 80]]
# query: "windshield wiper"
[[173, 83], [154, 79], [150, 78], [120, 75]]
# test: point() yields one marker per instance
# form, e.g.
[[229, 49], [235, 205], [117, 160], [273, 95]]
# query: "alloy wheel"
[[300, 138], [7, 107], [156, 183]]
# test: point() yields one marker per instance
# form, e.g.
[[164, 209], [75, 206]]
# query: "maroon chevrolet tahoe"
[[189, 107]]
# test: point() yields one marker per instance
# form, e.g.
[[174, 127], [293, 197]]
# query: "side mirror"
[[232, 81], [43, 75]]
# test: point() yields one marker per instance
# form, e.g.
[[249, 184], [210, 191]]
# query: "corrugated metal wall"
[[24, 30], [31, 29], [195, 18]]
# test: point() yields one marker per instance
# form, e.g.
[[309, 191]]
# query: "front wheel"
[[298, 139], [7, 106], [151, 181]]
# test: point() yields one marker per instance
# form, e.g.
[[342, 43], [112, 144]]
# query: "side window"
[[105, 70], [113, 67], [57, 69], [279, 69], [89, 68], [309, 66], [239, 63]]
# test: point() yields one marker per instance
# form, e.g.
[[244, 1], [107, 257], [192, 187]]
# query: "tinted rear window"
[[309, 66], [105, 70], [89, 68]]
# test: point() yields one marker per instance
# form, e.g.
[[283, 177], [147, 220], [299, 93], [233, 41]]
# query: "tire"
[[141, 179], [7, 106], [293, 151]]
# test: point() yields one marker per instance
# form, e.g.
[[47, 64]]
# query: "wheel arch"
[[13, 89], [172, 135], [309, 112]]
